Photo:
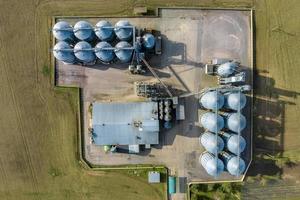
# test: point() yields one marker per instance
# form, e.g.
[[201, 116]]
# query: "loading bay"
[[190, 38]]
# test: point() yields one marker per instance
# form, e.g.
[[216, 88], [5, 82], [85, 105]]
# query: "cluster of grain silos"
[[86, 44], [223, 123]]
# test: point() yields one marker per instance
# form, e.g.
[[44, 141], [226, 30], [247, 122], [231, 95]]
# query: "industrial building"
[[125, 123]]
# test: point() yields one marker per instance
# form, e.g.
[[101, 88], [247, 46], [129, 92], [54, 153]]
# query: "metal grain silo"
[[84, 52], [124, 51], [104, 30], [212, 166], [123, 30], [62, 30], [212, 143], [148, 41], [212, 100], [234, 143], [227, 69], [105, 52], [233, 164], [212, 122], [235, 122], [83, 30], [62, 51], [235, 100]]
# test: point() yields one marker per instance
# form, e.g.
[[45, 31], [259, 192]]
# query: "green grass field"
[[38, 124]]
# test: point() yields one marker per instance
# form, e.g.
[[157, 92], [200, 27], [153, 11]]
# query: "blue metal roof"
[[153, 177], [114, 123], [104, 30]]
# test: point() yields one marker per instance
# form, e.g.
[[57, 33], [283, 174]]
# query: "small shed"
[[140, 10], [153, 177]]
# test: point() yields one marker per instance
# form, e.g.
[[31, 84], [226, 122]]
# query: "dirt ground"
[[37, 122]]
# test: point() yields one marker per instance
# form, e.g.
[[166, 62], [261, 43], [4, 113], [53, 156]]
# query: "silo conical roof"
[[235, 100], [212, 100], [84, 52], [105, 55], [124, 51], [235, 122], [236, 144], [235, 166], [62, 30], [104, 30], [212, 166], [122, 30], [62, 51], [211, 142], [148, 41], [227, 69], [212, 122], [83, 30]]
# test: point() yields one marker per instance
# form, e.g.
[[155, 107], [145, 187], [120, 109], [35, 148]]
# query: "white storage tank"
[[227, 69], [83, 30], [212, 143], [233, 164], [105, 52], [212, 122], [84, 52], [62, 30], [235, 122], [124, 51], [123, 30], [212, 100], [212, 166], [104, 30], [235, 100], [62, 51], [234, 143]]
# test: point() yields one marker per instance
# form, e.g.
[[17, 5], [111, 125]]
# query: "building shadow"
[[269, 106]]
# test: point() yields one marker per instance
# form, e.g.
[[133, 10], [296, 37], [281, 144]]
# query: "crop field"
[[38, 123]]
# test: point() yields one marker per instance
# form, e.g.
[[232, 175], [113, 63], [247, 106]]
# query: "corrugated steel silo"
[[148, 41], [84, 52], [124, 51], [62, 51], [212, 143], [123, 30], [212, 100], [227, 69], [104, 52], [62, 30], [212, 166], [234, 143], [104, 30], [212, 122], [235, 122], [235, 100], [233, 164], [83, 30]]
